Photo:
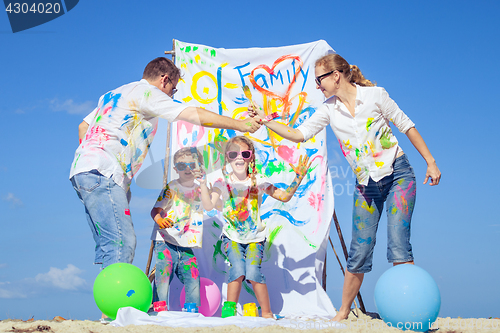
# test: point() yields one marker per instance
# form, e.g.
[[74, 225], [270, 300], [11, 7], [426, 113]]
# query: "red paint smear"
[[189, 130], [106, 110], [322, 190], [127, 212], [288, 154]]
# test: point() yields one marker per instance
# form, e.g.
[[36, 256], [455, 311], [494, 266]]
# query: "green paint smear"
[[213, 53], [218, 251], [314, 246], [369, 123], [97, 224], [188, 49], [98, 118], [270, 240], [74, 165], [161, 256], [195, 48], [249, 290], [147, 94], [215, 224], [272, 168]]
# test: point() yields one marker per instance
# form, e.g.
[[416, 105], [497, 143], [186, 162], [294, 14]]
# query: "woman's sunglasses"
[[246, 154], [181, 166]]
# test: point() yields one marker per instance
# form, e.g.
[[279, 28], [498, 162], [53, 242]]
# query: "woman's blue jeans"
[[398, 192]]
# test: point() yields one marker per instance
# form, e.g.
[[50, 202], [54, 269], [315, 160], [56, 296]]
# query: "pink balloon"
[[209, 297]]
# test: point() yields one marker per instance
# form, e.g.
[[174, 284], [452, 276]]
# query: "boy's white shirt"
[[184, 207]]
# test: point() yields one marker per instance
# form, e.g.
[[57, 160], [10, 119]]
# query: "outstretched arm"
[[206, 118], [300, 172], [285, 131], [419, 143]]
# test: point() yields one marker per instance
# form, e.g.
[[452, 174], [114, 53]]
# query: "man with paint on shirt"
[[116, 142]]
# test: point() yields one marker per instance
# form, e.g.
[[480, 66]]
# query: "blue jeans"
[[107, 210], [172, 259], [245, 259], [398, 191]]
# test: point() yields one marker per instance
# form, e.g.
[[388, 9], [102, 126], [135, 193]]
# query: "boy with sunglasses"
[[178, 214]]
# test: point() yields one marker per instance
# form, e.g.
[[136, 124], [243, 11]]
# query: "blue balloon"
[[408, 298]]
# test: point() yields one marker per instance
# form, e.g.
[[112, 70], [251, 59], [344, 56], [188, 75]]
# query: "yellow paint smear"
[[231, 86]]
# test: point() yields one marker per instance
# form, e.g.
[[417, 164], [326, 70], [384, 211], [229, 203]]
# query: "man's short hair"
[[161, 66]]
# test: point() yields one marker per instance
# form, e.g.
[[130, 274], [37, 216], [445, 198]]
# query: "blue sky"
[[438, 60]]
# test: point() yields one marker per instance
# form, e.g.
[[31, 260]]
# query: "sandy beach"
[[354, 324]]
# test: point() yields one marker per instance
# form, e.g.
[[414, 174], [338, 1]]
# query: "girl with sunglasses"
[[239, 196], [359, 114]]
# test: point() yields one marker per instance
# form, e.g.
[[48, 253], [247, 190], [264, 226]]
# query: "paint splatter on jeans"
[[398, 192], [172, 259], [245, 259]]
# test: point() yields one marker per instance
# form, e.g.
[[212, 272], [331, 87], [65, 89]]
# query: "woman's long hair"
[[351, 73]]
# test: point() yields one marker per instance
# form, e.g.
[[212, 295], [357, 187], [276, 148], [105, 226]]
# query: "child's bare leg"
[[260, 290], [234, 289]]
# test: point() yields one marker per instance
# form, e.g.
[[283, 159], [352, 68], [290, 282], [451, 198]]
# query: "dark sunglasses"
[[174, 90], [246, 154], [181, 166], [322, 76]]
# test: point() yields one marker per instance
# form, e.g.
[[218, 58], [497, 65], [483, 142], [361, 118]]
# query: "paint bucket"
[[160, 306], [250, 310], [228, 309], [190, 307]]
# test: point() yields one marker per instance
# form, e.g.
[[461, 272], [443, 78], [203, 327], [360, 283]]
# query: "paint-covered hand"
[[255, 111], [164, 222], [200, 175], [249, 125], [433, 173], [303, 166]]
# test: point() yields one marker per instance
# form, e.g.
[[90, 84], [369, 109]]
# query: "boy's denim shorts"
[[181, 261], [245, 260], [398, 191]]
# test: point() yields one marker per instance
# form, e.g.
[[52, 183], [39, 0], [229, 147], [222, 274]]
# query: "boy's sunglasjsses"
[[181, 166], [246, 154]]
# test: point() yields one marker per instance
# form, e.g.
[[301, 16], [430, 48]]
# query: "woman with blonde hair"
[[359, 114]]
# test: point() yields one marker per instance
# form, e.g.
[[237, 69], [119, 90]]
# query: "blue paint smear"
[[195, 136], [111, 97], [304, 114], [367, 241], [240, 100], [184, 142], [123, 142], [286, 215], [130, 292], [138, 153], [311, 152]]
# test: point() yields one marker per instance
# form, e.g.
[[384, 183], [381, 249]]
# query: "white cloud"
[[67, 278], [11, 294], [10, 197], [72, 107]]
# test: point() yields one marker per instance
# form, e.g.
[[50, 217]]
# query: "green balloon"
[[120, 285]]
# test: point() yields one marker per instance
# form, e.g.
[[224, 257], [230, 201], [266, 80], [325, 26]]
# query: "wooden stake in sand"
[[344, 248]]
